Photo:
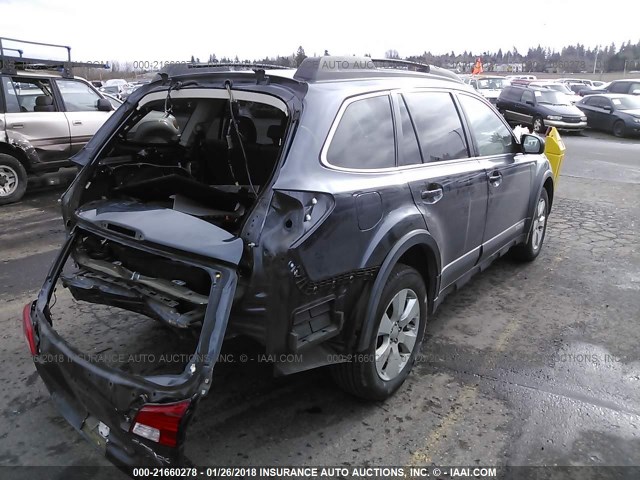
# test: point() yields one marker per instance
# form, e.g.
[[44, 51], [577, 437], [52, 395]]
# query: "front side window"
[[491, 135], [33, 94], [364, 137], [527, 96], [438, 126], [77, 96]]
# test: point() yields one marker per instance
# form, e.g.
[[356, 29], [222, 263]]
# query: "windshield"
[[493, 83], [114, 89], [626, 103], [551, 97], [559, 87]]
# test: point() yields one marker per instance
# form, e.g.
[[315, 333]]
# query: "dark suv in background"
[[540, 107], [628, 86], [324, 212]]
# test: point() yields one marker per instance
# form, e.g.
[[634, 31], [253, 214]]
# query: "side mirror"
[[532, 144], [608, 108], [104, 105], [636, 91], [529, 102]]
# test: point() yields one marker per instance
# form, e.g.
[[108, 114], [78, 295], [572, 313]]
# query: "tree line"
[[570, 59]]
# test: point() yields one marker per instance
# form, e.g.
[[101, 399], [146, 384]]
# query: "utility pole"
[[595, 62]]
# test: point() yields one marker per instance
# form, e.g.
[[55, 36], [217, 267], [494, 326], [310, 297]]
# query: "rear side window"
[[32, 94], [527, 96], [438, 126], [364, 138], [598, 102], [511, 93], [10, 96], [491, 135]]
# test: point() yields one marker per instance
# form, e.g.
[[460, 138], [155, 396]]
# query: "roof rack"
[[333, 68], [173, 69], [398, 64], [10, 64], [521, 81]]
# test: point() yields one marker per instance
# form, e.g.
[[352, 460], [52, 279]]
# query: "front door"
[[80, 102], [447, 185], [508, 174]]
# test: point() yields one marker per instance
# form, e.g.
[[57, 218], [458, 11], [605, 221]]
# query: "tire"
[[13, 179], [538, 124], [529, 251], [374, 380], [619, 128]]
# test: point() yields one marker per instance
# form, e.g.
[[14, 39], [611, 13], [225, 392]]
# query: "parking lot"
[[533, 364]]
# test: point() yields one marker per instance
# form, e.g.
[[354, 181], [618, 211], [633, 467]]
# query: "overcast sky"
[[174, 30]]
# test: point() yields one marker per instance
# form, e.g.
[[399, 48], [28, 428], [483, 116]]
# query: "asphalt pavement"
[[533, 364]]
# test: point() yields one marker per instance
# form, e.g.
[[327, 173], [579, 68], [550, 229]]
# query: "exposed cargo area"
[[149, 307], [195, 152]]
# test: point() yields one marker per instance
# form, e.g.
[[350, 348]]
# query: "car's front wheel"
[[13, 179], [399, 325], [530, 250]]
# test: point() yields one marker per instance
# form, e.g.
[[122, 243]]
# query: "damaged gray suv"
[[323, 212]]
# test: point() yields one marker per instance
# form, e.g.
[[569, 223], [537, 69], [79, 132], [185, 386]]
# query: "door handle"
[[77, 122], [17, 125], [432, 194], [495, 179]]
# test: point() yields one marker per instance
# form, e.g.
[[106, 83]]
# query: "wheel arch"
[[417, 249], [548, 186], [19, 154]]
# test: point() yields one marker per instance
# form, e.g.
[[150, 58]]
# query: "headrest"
[[44, 101]]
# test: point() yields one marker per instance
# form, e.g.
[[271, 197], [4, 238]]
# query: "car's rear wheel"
[[619, 128], [400, 319], [13, 179], [530, 250], [538, 124]]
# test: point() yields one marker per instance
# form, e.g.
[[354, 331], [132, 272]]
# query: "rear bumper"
[[90, 395], [83, 407]]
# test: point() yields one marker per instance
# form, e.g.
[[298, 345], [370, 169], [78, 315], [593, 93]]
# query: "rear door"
[[80, 104], [508, 174], [448, 186], [34, 121]]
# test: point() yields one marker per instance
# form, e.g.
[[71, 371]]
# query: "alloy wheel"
[[8, 180], [397, 334]]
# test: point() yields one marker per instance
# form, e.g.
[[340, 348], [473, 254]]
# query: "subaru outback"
[[324, 212]]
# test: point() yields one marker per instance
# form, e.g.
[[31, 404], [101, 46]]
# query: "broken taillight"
[[27, 328], [160, 422]]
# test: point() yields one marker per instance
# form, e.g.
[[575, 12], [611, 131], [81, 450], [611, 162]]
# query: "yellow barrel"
[[554, 150]]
